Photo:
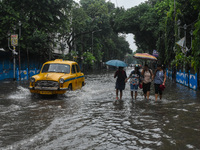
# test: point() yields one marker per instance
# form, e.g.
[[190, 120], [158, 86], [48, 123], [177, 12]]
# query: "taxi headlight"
[[61, 80], [32, 79]]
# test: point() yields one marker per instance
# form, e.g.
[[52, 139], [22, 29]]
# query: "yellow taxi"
[[56, 77]]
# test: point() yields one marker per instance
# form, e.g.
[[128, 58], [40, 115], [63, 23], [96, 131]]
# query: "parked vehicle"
[[56, 77]]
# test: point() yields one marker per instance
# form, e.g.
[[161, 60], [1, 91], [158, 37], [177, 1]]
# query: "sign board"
[[14, 40], [155, 53]]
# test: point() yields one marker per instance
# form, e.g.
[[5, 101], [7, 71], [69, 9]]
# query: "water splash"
[[20, 93]]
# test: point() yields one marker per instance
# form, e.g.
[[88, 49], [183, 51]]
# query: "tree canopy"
[[159, 25], [41, 21], [92, 29], [63, 23]]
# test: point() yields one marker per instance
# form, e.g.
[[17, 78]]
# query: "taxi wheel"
[[70, 87]]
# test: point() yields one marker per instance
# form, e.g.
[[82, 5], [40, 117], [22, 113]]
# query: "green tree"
[[100, 38], [88, 60], [195, 60], [154, 25], [186, 13], [41, 21], [141, 22]]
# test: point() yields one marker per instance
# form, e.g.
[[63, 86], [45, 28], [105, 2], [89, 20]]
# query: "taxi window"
[[77, 68], [73, 69], [59, 68]]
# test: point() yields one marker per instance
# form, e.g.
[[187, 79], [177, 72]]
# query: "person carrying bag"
[[159, 81]]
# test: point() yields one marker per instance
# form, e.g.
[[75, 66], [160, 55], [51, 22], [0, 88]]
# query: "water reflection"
[[88, 119]]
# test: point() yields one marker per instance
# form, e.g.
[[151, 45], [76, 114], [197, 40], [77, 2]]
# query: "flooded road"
[[87, 119]]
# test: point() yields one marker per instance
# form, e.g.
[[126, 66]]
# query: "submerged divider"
[[26, 74], [186, 79], [20, 75]]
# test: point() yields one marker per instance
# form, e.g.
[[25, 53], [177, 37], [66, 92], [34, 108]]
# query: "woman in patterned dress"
[[134, 81]]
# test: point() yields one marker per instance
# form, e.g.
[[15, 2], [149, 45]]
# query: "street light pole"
[[14, 60], [191, 33], [19, 50], [179, 23], [185, 28], [14, 43], [92, 41], [14, 53]]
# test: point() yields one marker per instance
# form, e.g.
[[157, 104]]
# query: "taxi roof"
[[60, 61]]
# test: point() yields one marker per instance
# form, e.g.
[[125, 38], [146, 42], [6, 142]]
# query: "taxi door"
[[75, 81]]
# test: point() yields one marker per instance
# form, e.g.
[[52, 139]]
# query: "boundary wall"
[[186, 79]]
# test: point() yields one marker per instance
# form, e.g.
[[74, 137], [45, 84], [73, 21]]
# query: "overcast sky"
[[127, 4]]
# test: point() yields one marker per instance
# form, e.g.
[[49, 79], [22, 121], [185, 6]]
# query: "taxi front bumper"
[[48, 90]]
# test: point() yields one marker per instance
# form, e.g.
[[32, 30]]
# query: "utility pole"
[[185, 28], [13, 38], [19, 50]]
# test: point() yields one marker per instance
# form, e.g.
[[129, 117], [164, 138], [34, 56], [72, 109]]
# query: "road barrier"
[[186, 79], [26, 74], [23, 75]]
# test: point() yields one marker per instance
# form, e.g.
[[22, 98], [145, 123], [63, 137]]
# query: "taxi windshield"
[[59, 68]]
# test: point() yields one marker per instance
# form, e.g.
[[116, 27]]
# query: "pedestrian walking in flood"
[[147, 78], [120, 82], [134, 81], [159, 81]]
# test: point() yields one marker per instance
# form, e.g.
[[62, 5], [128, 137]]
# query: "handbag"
[[162, 87], [140, 85]]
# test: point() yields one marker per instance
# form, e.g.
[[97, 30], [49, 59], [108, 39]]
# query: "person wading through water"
[[120, 82], [134, 81], [147, 78], [159, 79]]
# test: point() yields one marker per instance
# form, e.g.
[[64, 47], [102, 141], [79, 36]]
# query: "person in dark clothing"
[[120, 82]]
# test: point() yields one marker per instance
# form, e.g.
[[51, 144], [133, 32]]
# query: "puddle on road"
[[87, 119]]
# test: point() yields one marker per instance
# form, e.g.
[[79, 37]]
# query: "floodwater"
[[87, 119]]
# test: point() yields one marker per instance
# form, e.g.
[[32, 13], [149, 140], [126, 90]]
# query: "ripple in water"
[[87, 119]]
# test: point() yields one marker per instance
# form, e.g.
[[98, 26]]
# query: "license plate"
[[45, 92]]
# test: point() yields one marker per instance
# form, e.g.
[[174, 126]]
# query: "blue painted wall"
[[6, 66], [186, 79], [26, 74]]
